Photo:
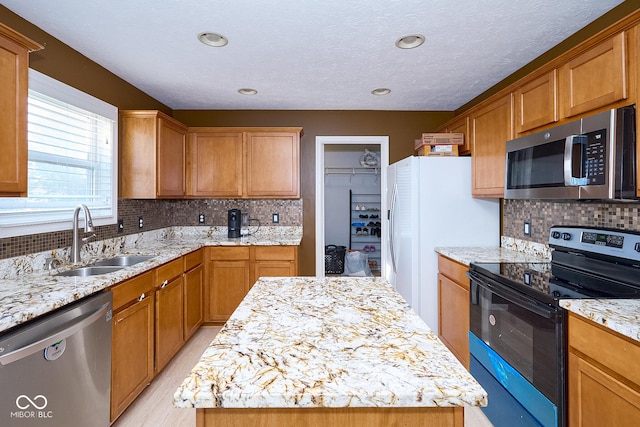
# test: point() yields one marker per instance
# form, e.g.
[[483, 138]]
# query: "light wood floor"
[[154, 407]]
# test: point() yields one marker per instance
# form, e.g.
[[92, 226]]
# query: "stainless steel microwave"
[[590, 158]]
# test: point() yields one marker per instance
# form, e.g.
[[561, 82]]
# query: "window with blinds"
[[72, 142]]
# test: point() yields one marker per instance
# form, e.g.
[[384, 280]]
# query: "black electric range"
[[586, 263], [518, 330]]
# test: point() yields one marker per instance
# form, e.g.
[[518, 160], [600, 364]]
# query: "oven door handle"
[[514, 297]]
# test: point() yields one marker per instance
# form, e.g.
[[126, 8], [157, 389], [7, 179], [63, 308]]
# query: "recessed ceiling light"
[[247, 91], [381, 91], [410, 41], [213, 39]]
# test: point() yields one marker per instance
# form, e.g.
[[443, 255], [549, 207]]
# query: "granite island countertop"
[[334, 342], [27, 290]]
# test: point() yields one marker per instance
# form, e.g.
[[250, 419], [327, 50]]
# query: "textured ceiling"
[[312, 55]]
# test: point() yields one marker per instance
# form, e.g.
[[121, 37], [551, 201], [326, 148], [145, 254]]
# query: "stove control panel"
[[604, 241]]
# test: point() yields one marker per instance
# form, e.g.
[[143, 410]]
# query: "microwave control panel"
[[596, 157]]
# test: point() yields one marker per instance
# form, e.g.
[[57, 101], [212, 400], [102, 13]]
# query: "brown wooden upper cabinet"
[[152, 155], [536, 102], [244, 162], [595, 78], [215, 165], [459, 124], [491, 128], [14, 86]]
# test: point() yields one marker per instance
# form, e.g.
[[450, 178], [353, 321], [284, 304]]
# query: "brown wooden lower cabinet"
[[155, 313], [228, 284], [193, 300], [604, 376], [233, 270], [169, 321], [453, 307], [274, 261], [132, 343]]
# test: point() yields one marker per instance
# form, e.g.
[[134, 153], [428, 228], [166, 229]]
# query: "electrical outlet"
[[140, 222], [275, 218], [527, 228], [201, 218], [120, 226]]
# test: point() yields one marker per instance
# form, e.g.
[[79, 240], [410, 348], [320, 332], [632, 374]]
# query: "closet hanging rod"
[[352, 171]]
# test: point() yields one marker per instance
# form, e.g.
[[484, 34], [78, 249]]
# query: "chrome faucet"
[[88, 227]]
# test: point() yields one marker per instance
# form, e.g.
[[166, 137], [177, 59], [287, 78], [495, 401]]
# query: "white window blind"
[[72, 140]]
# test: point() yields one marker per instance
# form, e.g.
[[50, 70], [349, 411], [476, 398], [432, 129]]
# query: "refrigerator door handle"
[[391, 216]]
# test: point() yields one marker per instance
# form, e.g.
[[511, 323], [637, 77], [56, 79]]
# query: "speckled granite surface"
[[511, 250], [27, 290], [620, 315], [326, 342]]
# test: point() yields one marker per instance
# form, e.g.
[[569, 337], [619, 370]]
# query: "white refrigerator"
[[430, 205]]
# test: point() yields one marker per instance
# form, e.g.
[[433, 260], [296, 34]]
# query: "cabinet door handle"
[[164, 284], [141, 297]]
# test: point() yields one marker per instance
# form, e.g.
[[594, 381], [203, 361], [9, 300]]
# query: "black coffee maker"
[[234, 217]]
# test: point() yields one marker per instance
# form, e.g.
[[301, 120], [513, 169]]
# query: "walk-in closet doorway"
[[338, 169]]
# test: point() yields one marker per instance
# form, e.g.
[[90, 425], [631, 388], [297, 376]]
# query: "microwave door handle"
[[574, 160]]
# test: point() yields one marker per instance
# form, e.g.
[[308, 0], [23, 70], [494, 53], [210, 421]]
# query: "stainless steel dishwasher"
[[56, 369]]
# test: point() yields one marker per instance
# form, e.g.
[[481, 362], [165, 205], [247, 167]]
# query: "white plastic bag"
[[356, 263]]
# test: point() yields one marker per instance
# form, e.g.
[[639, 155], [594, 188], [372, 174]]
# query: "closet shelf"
[[352, 171]]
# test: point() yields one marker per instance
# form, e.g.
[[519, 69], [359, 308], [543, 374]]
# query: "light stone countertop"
[[28, 291], [510, 250], [300, 342], [620, 315]]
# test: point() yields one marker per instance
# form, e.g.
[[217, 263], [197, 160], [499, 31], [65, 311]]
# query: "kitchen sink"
[[123, 260], [94, 270]]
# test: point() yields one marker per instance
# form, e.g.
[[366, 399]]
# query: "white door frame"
[[321, 141]]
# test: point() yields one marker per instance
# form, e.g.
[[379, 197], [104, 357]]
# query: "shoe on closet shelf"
[[363, 216], [365, 231]]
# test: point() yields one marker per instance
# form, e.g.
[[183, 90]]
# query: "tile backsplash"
[[544, 214], [160, 214]]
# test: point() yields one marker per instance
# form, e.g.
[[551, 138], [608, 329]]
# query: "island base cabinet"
[[331, 417], [131, 353]]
